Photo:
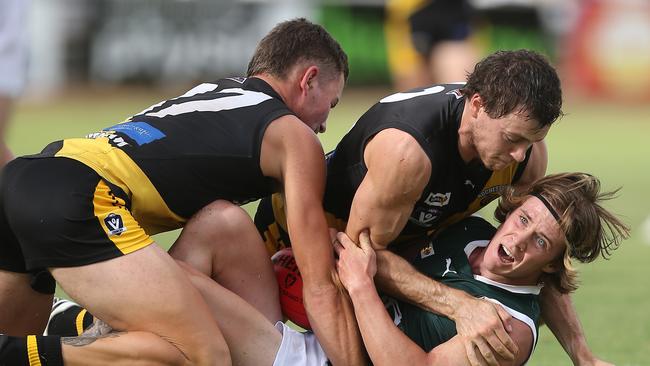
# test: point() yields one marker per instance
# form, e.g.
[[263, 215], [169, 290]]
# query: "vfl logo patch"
[[114, 224], [424, 216]]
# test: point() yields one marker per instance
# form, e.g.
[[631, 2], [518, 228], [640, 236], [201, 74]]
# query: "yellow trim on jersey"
[[114, 165], [279, 213], [125, 232], [79, 322], [497, 183], [273, 239], [32, 351]]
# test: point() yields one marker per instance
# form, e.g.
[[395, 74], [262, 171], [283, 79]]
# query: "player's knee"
[[221, 221]]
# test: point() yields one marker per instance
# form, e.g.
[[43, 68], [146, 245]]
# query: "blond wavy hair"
[[590, 230]]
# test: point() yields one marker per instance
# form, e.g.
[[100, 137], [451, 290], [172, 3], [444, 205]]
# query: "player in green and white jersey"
[[559, 218]]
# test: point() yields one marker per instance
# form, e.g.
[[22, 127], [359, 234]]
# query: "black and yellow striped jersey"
[[179, 155], [432, 116]]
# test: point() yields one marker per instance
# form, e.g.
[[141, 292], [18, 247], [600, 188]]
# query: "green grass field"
[[608, 141]]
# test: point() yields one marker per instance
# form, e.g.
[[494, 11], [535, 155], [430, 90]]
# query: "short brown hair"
[[590, 229], [295, 41], [520, 81]]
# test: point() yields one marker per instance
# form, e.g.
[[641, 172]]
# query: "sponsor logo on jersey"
[[488, 195], [140, 132], [237, 79], [456, 93], [438, 199], [427, 251], [449, 268], [111, 136], [115, 224]]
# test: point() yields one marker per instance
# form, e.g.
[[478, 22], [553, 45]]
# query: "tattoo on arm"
[[84, 340], [98, 330]]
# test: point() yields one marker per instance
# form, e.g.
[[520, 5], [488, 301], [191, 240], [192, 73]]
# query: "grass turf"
[[606, 140]]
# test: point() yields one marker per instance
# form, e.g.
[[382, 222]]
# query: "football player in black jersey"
[[559, 218], [420, 160], [84, 209]]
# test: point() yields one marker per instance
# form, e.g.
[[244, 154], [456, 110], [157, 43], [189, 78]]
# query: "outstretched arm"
[[292, 153], [560, 316]]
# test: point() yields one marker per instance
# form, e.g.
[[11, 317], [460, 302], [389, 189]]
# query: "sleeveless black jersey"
[[445, 259], [432, 116], [202, 146]]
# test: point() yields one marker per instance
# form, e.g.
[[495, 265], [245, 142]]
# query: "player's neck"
[[276, 84], [466, 147]]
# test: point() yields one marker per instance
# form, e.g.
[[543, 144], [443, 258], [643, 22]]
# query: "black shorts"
[[440, 20], [58, 212]]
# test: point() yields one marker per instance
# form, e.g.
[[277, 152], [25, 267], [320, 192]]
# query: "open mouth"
[[505, 255]]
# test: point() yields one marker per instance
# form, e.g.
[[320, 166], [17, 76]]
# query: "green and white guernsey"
[[445, 259]]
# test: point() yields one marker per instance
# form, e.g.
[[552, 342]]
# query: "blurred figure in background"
[[428, 41], [13, 64], [439, 41]]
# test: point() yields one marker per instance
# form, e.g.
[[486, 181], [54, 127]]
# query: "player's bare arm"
[[479, 323], [300, 166], [398, 171], [378, 328], [562, 319]]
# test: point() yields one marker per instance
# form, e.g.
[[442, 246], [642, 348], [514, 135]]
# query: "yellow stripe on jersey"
[[32, 351], [79, 322], [273, 239], [118, 223], [497, 183], [114, 165]]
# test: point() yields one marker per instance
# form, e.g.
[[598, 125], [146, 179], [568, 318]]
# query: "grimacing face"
[[321, 98], [525, 246], [504, 140]]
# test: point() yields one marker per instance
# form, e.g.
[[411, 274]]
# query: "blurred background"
[[92, 63]]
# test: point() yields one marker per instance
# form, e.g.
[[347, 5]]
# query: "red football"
[[290, 283]]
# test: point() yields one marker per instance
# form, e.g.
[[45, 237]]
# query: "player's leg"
[[67, 218], [23, 310], [252, 338], [112, 349], [147, 291], [222, 242]]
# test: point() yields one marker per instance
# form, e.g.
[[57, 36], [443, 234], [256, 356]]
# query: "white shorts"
[[298, 349], [13, 46]]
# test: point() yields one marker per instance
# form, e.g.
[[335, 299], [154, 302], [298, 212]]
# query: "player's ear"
[[475, 103], [552, 267], [308, 78]]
